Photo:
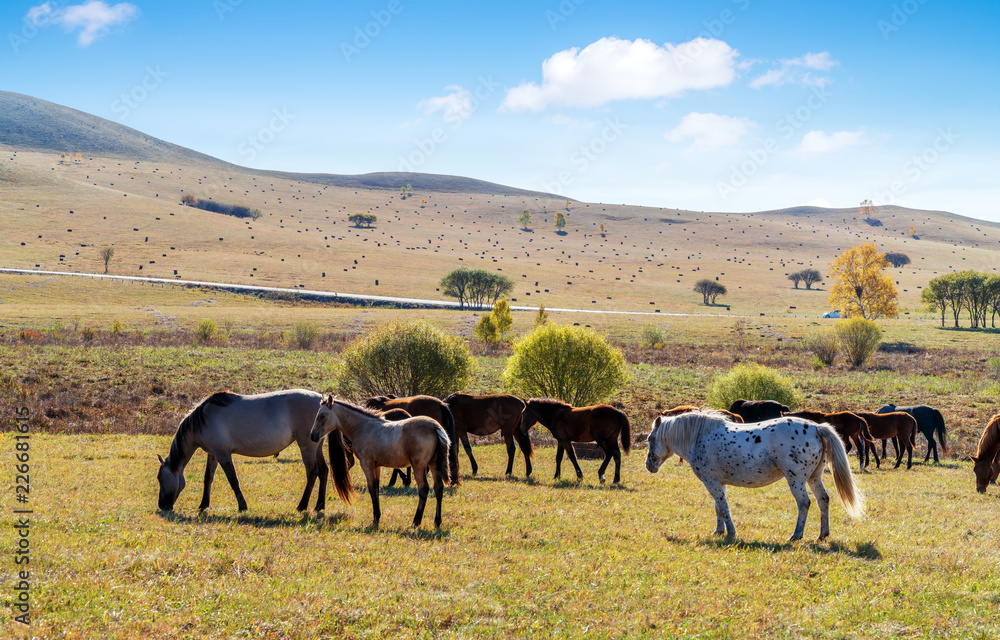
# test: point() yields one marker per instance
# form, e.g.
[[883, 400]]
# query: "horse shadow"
[[259, 522], [410, 533], [861, 550], [530, 481], [581, 484]]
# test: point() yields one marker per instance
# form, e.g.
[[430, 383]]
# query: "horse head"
[[886, 408], [326, 420], [528, 418], [658, 451], [171, 484], [983, 468]]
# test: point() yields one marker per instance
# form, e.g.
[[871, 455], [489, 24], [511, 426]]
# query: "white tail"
[[836, 457]]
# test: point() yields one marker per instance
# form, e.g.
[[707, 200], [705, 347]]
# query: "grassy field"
[[512, 559]]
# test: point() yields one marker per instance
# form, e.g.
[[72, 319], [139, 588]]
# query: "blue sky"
[[731, 105]]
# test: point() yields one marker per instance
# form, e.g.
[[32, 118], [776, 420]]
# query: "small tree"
[[913, 232], [405, 191], [405, 359], [542, 317], [811, 277], [751, 381], [106, 254], [573, 364], [861, 287], [524, 219], [255, 214], [796, 278], [825, 346], [653, 336], [423, 203], [367, 219], [897, 259], [710, 290], [189, 200], [559, 222], [938, 294], [306, 334], [718, 290], [207, 331], [456, 283], [602, 229], [486, 330], [859, 338], [502, 317]]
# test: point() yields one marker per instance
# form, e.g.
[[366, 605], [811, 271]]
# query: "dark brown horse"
[[758, 410], [987, 456], [851, 428], [483, 415], [599, 423], [430, 407], [898, 425]]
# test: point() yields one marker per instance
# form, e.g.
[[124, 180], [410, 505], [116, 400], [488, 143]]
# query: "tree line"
[[977, 294], [475, 287], [236, 210]]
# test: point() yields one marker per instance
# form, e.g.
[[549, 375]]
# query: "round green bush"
[[859, 339], [405, 359], [751, 381], [573, 364]]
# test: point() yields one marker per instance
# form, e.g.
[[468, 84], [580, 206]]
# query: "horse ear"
[[974, 458], [657, 422], [160, 458]]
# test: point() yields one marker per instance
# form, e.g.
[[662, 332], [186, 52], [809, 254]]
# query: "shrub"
[[405, 359], [88, 334], [306, 334], [573, 364], [825, 346], [751, 381], [117, 328], [207, 330], [859, 339], [29, 335], [653, 336]]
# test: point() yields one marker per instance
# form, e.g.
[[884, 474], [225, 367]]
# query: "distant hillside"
[[30, 123]]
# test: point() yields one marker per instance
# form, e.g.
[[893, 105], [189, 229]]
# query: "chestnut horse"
[[600, 423], [483, 415], [848, 426], [418, 442], [987, 456], [898, 425], [424, 406]]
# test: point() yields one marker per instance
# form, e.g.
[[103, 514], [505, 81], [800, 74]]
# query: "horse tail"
[[339, 466], [524, 440], [626, 432], [939, 427], [448, 422], [836, 456], [442, 455]]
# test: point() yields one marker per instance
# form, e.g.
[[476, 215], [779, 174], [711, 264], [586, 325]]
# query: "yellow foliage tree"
[[860, 285]]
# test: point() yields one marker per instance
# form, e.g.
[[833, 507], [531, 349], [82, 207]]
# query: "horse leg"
[[464, 437], [438, 494], [899, 454], [559, 455], [823, 498], [206, 495], [422, 491], [392, 478], [324, 474], [909, 453], [617, 453], [604, 465], [312, 471], [798, 489], [508, 440], [723, 520], [572, 458], [372, 476], [931, 444], [226, 460]]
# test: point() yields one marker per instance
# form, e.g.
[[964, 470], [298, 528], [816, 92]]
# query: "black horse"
[[929, 421], [758, 410]]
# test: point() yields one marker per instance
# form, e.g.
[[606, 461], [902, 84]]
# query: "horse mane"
[[193, 423], [371, 413], [989, 443], [552, 402], [685, 430]]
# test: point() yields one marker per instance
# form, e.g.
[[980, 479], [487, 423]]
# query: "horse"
[[758, 410], [929, 420], [394, 415], [848, 426], [257, 426], [483, 415], [898, 425], [430, 407], [688, 408], [724, 453], [987, 458], [600, 423], [418, 442]]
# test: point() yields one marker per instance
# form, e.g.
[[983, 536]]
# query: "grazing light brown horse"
[[257, 426], [430, 407], [898, 425], [600, 423], [987, 458], [850, 428], [418, 442], [483, 415]]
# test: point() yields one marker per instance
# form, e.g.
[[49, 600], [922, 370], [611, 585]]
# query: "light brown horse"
[[851, 428], [483, 415], [394, 415], [600, 423], [898, 425], [258, 426], [430, 407], [418, 442], [987, 458]]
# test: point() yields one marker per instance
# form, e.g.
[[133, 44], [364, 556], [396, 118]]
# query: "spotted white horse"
[[755, 455]]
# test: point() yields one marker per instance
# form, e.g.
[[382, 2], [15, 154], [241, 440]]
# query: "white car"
[[832, 314]]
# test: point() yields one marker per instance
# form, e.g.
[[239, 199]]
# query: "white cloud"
[[456, 106], [93, 18], [817, 142], [614, 69], [710, 131], [799, 70]]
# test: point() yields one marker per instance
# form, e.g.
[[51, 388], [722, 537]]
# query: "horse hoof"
[[794, 538], [602, 479]]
